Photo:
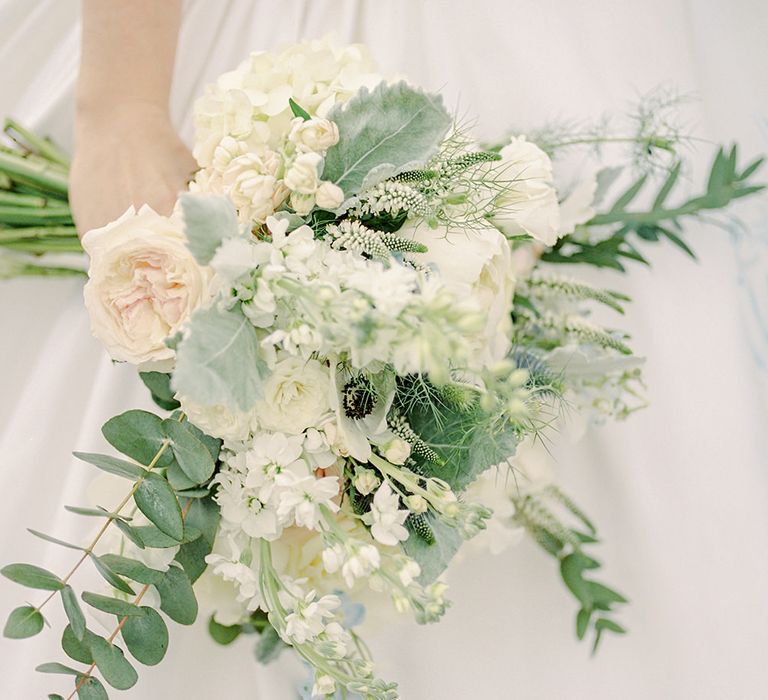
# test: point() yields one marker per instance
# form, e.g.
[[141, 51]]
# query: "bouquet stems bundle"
[[35, 219]]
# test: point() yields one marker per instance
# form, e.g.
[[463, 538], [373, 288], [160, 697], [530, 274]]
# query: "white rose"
[[313, 134], [295, 396], [250, 180], [143, 284], [329, 196], [302, 176], [218, 420], [397, 451], [473, 265], [529, 205], [302, 204]]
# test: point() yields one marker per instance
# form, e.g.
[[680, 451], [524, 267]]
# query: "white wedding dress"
[[680, 491]]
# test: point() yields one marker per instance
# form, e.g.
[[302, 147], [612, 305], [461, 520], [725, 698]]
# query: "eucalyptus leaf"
[[138, 434], [192, 455], [208, 220], [112, 465], [73, 611], [156, 499], [56, 667], [113, 606], [269, 645], [23, 622], [132, 569], [153, 538], [159, 385], [177, 599], [77, 649], [130, 533], [55, 540], [98, 512], [396, 125], [91, 689], [204, 515], [218, 362], [223, 634], [32, 577], [110, 576], [146, 637], [113, 665]]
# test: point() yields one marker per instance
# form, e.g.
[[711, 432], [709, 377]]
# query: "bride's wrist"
[[111, 114]]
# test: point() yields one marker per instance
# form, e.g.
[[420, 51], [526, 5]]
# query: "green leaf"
[[113, 665], [113, 606], [434, 558], [92, 689], [130, 533], [77, 649], [572, 572], [621, 203], [138, 434], [55, 696], [208, 220], [73, 611], [23, 622], [156, 499], [298, 111], [110, 576], [132, 569], [603, 595], [159, 385], [32, 577], [97, 512], [669, 183], [269, 646], [177, 599], [192, 456], [392, 128], [54, 540], [146, 637], [203, 514], [223, 634], [219, 360], [605, 624], [154, 538], [582, 622], [112, 465], [55, 667]]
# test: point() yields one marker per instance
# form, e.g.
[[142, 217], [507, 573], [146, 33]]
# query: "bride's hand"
[[128, 155]]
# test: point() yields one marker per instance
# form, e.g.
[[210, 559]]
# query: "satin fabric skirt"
[[680, 491]]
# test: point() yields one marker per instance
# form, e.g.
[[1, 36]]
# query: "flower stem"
[[43, 146], [38, 173]]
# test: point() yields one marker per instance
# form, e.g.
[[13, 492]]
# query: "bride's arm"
[[126, 149]]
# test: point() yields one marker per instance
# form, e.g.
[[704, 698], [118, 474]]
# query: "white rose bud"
[[143, 284], [302, 203], [366, 481], [313, 134], [329, 196], [324, 685], [416, 503], [397, 451], [303, 175]]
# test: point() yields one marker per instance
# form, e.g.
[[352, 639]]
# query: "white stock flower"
[[308, 617], [397, 451], [475, 265], [366, 481], [250, 180], [314, 134], [529, 205], [295, 396], [323, 685], [244, 577], [231, 425], [385, 518], [302, 204], [143, 284], [355, 560], [300, 498], [303, 174], [329, 196]]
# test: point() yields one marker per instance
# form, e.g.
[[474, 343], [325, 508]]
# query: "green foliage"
[[77, 649], [159, 385], [203, 515], [208, 220], [269, 645], [113, 606], [218, 360], [55, 667], [434, 557], [298, 110], [73, 611], [192, 455], [390, 129], [726, 183], [596, 600], [54, 540], [112, 465], [112, 664], [157, 500], [32, 577], [110, 576], [132, 569], [223, 634], [91, 689], [146, 636], [137, 434], [177, 599], [23, 622]]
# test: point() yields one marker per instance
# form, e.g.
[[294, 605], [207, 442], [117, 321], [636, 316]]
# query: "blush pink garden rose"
[[143, 284]]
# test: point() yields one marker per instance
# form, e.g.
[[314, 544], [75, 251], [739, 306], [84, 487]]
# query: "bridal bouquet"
[[354, 331]]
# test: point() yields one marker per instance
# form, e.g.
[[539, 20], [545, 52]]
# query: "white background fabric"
[[680, 491]]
